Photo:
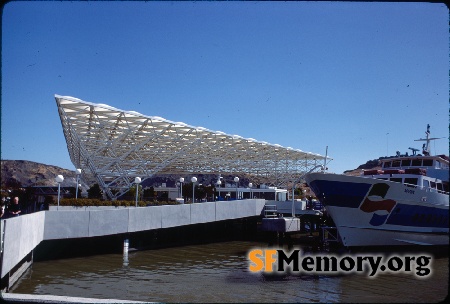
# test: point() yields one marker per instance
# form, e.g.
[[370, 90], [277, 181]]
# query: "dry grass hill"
[[371, 164], [25, 173]]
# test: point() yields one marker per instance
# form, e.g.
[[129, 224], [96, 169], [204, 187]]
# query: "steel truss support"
[[114, 146]]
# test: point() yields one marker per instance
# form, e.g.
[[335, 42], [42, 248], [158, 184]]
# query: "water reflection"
[[218, 273], [126, 245]]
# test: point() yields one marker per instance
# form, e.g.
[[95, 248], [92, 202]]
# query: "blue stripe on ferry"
[[341, 194], [378, 220], [418, 216]]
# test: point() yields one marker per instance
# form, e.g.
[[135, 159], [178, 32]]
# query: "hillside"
[[15, 173], [27, 173], [371, 164]]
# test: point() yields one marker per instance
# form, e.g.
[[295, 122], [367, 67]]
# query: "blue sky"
[[363, 78]]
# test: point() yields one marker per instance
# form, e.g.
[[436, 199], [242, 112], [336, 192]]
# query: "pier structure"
[[21, 235], [112, 147]]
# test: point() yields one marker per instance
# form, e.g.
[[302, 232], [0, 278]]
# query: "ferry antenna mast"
[[426, 146]]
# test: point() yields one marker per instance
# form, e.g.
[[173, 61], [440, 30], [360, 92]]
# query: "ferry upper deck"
[[431, 172]]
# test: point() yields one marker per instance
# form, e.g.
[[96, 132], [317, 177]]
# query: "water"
[[218, 273]]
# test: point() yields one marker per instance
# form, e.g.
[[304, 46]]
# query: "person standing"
[[2, 207], [14, 208]]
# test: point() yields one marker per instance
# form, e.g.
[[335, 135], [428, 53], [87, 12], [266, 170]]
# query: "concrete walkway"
[[29, 298]]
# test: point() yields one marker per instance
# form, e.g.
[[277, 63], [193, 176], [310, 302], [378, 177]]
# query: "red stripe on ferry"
[[371, 206]]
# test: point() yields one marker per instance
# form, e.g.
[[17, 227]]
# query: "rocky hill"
[[371, 164], [16, 173], [23, 173]]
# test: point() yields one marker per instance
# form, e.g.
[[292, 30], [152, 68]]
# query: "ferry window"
[[433, 185], [411, 181], [438, 164], [387, 165], [417, 163], [406, 162], [395, 179], [426, 183], [396, 163], [445, 187], [427, 162], [439, 186]]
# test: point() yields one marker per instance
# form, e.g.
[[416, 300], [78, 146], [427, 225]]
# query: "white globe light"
[[137, 180], [250, 185], [181, 179], [59, 179], [78, 171], [236, 179], [193, 179]]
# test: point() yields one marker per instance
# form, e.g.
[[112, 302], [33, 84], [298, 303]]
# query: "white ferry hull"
[[372, 212], [360, 237]]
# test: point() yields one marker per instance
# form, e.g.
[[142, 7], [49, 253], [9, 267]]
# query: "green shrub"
[[85, 202]]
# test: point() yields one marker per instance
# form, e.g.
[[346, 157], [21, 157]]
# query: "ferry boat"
[[405, 202]]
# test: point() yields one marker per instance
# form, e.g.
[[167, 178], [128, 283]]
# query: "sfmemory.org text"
[[277, 260]]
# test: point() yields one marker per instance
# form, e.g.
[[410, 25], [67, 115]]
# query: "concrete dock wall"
[[78, 223], [22, 234]]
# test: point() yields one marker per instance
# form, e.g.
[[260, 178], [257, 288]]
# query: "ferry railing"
[[415, 186]]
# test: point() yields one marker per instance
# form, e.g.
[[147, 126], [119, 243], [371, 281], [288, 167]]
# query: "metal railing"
[[270, 211]]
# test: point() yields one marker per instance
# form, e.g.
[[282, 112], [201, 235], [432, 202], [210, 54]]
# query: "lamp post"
[[306, 199], [181, 186], [137, 180], [59, 179], [236, 180], [193, 180], [78, 171], [250, 185], [219, 182]]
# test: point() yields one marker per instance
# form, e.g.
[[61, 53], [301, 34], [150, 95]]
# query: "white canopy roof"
[[114, 146]]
